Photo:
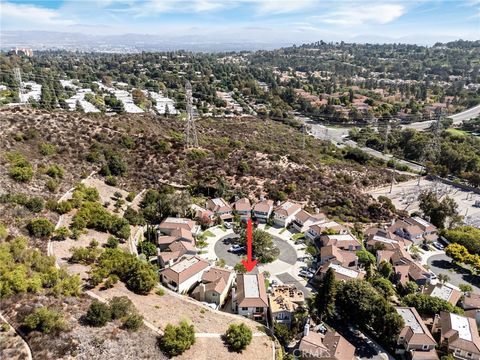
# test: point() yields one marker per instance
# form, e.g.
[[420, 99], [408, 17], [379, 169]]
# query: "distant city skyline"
[[258, 21]]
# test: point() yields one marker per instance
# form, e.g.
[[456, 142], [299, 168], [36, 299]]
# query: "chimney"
[[202, 291], [317, 210], [306, 329]]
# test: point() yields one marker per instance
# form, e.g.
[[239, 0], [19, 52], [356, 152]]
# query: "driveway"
[[365, 348], [442, 264], [287, 278]]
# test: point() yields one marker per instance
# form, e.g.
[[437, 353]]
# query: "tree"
[[366, 258], [45, 320], [466, 288], [262, 245], [238, 337], [282, 333], [141, 278], [98, 314], [468, 236], [385, 269], [437, 211], [40, 227], [240, 268], [133, 322], [177, 339], [443, 278], [147, 248], [384, 286], [325, 297], [429, 305]]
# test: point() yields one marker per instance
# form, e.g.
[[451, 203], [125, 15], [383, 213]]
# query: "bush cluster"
[[119, 308]]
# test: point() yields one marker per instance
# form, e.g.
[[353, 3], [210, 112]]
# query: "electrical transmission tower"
[[18, 77], [191, 130]]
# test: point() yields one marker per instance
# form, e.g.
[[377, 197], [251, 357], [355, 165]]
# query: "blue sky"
[[422, 21]]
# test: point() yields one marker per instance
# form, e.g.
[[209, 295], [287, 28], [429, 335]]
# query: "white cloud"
[[357, 14], [265, 7], [31, 14]]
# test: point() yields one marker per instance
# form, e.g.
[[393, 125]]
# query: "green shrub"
[[40, 227], [133, 322], [47, 149], [35, 204], [111, 281], [147, 248], [177, 339], [4, 327], [238, 337], [98, 314], [55, 172], [131, 195], [82, 255], [112, 242], [62, 233], [45, 320], [52, 185], [120, 306], [20, 169], [3, 231], [111, 180]]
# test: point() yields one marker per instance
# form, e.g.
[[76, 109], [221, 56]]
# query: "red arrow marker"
[[249, 264]]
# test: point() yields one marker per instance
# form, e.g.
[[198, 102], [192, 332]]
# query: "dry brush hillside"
[[248, 156]]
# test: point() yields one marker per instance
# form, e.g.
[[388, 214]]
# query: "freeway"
[[338, 137], [457, 119]]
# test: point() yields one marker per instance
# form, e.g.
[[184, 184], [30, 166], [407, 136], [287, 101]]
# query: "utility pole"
[[18, 77], [191, 130]]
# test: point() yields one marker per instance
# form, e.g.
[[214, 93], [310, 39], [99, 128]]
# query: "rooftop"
[[462, 326], [184, 264], [344, 271], [250, 283], [410, 320]]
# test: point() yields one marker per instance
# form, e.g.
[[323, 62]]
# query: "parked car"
[[227, 225], [236, 248], [305, 274], [425, 247], [438, 246]]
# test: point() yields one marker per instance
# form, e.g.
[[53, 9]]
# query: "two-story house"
[[303, 220], [220, 208], [250, 299], [214, 286], [184, 274], [285, 213], [263, 210], [316, 230], [459, 334], [243, 208], [415, 338], [283, 301]]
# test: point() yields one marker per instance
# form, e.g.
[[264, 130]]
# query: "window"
[[424, 347], [258, 309], [244, 308], [469, 355]]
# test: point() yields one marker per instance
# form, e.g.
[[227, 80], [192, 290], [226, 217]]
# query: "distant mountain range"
[[48, 40]]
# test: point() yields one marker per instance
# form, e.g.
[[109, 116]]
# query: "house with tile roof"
[[303, 220], [342, 273], [341, 241], [316, 230], [173, 223], [332, 254], [459, 334], [446, 292], [243, 208], [414, 229], [263, 210], [249, 298], [285, 213], [284, 301], [184, 274], [331, 346], [220, 208], [215, 285], [415, 338]]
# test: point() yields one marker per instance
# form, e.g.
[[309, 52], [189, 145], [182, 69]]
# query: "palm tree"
[[443, 278]]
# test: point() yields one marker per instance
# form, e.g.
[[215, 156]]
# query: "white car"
[[236, 248], [438, 246], [227, 225], [305, 274]]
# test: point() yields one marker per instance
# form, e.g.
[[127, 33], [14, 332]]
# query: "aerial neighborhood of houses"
[[190, 267]]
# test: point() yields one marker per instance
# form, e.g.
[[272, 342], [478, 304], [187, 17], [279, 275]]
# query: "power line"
[[191, 131]]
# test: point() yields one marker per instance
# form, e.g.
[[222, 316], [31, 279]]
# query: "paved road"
[[457, 119], [287, 252], [287, 278], [441, 264]]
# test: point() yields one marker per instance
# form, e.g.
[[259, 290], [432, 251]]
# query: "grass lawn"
[[208, 233], [222, 227], [283, 230], [298, 236], [267, 226]]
